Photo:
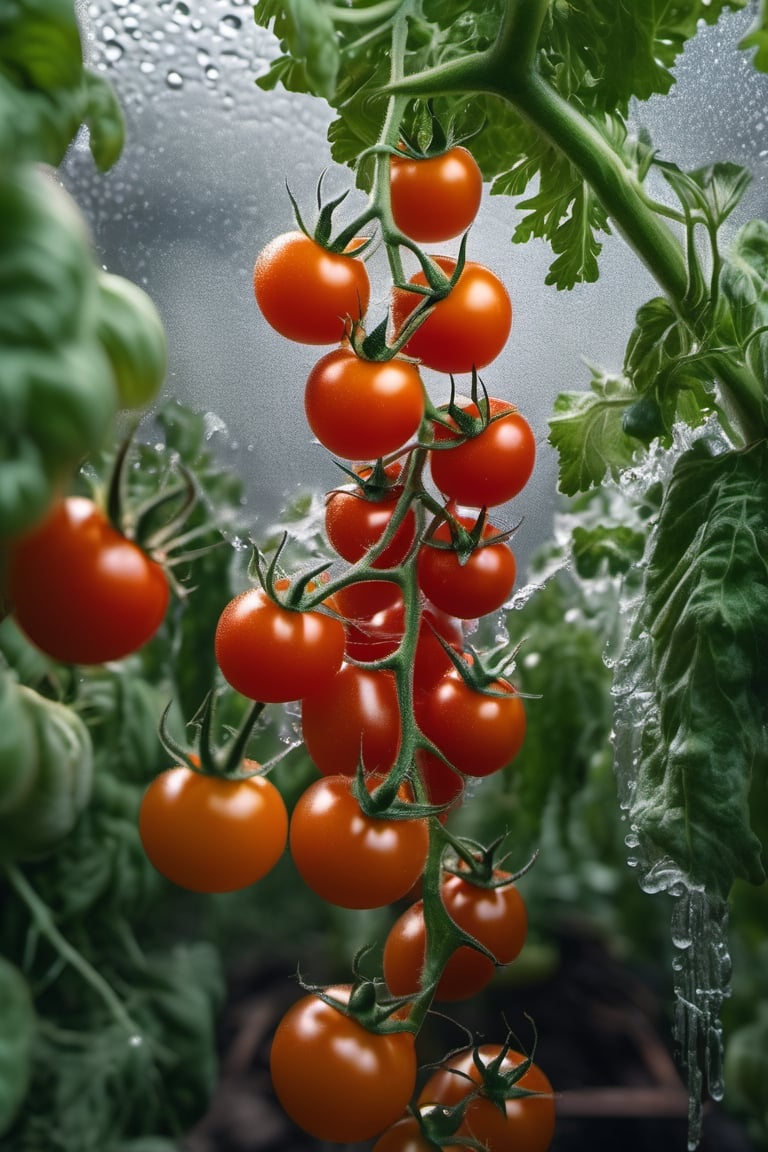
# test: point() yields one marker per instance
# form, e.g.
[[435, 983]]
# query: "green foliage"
[[587, 430], [695, 666], [17, 1034], [56, 389], [45, 92], [757, 38]]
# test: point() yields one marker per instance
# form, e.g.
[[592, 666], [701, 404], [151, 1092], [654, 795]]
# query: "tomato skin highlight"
[[350, 859], [335, 1079], [474, 588], [496, 917], [212, 833], [478, 733], [81, 591], [353, 715], [275, 654], [529, 1122], [435, 198], [305, 292], [490, 468], [467, 329], [362, 409]]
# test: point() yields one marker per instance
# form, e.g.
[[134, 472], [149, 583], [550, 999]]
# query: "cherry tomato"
[[354, 716], [350, 859], [496, 917], [354, 524], [406, 1136], [81, 591], [489, 468], [307, 293], [443, 785], [467, 329], [213, 833], [275, 654], [365, 598], [470, 587], [380, 635], [526, 1125], [336, 1079], [479, 733], [435, 198], [362, 409]]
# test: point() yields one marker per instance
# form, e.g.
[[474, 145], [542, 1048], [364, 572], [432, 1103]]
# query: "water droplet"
[[113, 51], [147, 66], [174, 79], [230, 25]]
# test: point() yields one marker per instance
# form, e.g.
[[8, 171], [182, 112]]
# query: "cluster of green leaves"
[[597, 56], [107, 1022], [75, 344]]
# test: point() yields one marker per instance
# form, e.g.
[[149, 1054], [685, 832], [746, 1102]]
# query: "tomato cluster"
[[398, 710]]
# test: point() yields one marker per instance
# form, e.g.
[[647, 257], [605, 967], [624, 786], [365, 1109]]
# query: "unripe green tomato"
[[133, 337], [53, 785]]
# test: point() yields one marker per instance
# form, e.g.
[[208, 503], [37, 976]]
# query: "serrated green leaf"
[[698, 661], [586, 429], [306, 31]]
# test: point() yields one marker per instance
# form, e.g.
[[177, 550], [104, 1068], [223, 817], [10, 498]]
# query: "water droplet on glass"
[[230, 25], [174, 79], [113, 51]]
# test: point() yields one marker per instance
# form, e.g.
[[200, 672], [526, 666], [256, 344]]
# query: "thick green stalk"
[[508, 70]]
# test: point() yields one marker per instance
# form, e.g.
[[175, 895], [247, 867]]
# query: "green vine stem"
[[42, 917], [508, 70]]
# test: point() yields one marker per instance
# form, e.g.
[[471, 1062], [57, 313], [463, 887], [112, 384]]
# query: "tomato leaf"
[[586, 429], [693, 676], [306, 31]]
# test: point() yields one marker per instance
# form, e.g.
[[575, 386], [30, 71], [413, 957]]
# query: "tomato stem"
[[43, 919]]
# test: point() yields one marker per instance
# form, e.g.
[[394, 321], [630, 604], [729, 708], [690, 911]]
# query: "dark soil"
[[602, 1039]]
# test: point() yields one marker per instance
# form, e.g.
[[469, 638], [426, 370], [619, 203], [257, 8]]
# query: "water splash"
[[699, 919]]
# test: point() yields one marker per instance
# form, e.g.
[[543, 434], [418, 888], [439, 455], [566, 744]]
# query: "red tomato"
[[365, 598], [363, 409], [496, 917], [212, 833], [275, 654], [467, 329], [350, 859], [307, 293], [336, 1079], [406, 1136], [435, 198], [379, 636], [479, 733], [489, 468], [526, 1125], [443, 785], [354, 523], [353, 716], [81, 591], [467, 588]]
